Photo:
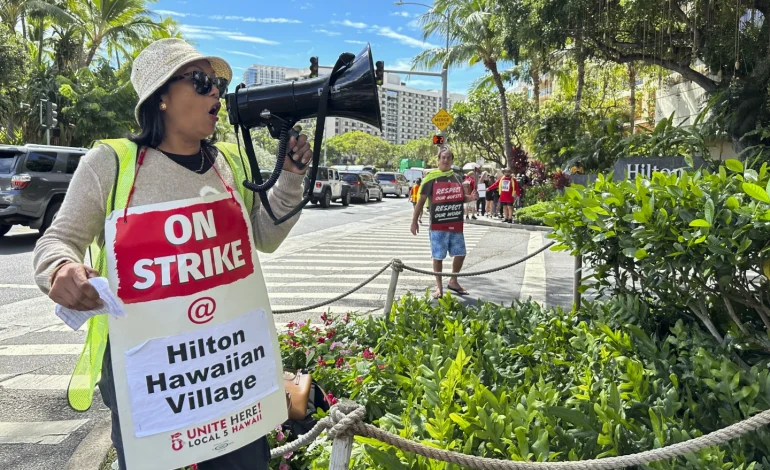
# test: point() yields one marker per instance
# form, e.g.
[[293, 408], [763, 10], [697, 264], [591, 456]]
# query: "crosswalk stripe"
[[318, 263], [345, 285], [60, 328], [36, 382], [324, 296], [18, 286], [359, 277], [335, 309], [328, 269], [39, 349], [40, 432]]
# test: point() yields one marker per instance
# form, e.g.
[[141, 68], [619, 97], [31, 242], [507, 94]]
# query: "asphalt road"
[[328, 252]]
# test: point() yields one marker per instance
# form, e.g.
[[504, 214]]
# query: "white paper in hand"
[[112, 305]]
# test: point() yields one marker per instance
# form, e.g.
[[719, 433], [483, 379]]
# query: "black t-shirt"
[[193, 162], [446, 194]]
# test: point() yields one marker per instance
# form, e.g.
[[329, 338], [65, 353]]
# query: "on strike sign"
[[196, 359], [163, 254]]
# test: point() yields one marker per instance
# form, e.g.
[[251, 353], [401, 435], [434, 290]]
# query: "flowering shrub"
[[523, 383]]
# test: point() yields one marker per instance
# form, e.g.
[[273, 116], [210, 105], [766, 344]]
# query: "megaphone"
[[350, 91]]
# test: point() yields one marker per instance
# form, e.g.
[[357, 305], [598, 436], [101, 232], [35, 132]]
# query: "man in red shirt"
[[508, 190], [447, 194]]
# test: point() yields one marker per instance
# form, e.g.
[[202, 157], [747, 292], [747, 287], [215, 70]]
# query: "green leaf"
[[734, 165], [640, 217], [700, 223], [732, 203], [709, 211], [756, 192], [572, 193], [640, 254], [589, 214]]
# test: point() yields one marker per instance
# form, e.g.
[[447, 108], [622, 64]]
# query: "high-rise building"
[[267, 74]]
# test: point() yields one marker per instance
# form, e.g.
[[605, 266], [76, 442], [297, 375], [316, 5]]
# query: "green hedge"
[[524, 383]]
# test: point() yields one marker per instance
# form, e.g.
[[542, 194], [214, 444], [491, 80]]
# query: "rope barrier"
[[486, 271], [339, 297], [347, 419]]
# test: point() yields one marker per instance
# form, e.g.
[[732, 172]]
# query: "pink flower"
[[368, 355], [340, 362], [327, 319], [302, 324], [380, 366], [321, 363], [331, 399], [194, 466], [346, 318], [280, 436], [309, 351], [335, 344], [284, 466], [359, 379], [288, 455], [290, 333], [330, 333]]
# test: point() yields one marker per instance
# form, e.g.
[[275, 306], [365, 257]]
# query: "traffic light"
[[51, 115], [43, 107], [438, 140], [379, 72], [313, 67]]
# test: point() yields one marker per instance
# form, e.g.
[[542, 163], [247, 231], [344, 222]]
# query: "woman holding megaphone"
[[172, 165]]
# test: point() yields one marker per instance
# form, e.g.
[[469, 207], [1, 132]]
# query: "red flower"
[[381, 366], [321, 363], [340, 362], [330, 333], [368, 355], [330, 399], [346, 318], [359, 379], [321, 340], [290, 333], [327, 319], [291, 324]]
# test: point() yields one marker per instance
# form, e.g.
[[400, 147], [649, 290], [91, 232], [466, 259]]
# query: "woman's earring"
[[163, 106]]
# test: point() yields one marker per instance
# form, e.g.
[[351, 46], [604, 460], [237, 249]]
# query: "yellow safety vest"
[[80, 392]]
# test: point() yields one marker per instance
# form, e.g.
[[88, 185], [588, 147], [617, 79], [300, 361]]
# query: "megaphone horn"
[[350, 91]]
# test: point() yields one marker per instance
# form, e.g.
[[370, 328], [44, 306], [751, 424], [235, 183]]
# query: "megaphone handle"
[[294, 132]]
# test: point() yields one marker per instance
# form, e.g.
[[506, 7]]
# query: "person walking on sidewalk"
[[506, 187], [447, 194], [414, 193], [172, 161], [482, 190]]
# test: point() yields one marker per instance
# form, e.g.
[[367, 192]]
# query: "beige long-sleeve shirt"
[[82, 214]]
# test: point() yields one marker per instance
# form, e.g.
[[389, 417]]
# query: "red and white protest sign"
[[447, 202], [196, 361]]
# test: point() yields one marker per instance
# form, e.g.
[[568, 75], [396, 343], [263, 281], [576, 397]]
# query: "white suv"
[[393, 183]]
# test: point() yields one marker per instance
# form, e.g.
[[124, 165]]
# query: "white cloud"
[[174, 13], [418, 82], [352, 24], [404, 39], [275, 20], [326, 32], [205, 32], [351, 41], [238, 68], [403, 64], [414, 24], [401, 13], [400, 28], [242, 53], [306, 6]]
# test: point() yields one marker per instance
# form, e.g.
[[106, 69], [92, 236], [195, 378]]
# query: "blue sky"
[[288, 33]]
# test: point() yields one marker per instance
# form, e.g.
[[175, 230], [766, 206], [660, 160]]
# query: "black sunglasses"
[[203, 82]]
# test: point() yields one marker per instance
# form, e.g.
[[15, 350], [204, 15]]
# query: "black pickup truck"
[[33, 182]]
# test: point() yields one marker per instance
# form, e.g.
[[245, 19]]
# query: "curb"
[[91, 452], [490, 223]]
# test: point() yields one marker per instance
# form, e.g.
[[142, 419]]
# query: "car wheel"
[[326, 200], [366, 196], [50, 216], [346, 199], [379, 198], [4, 229], [314, 201]]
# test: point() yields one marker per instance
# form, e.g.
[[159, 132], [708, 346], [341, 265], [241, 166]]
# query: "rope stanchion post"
[[396, 266], [576, 296], [342, 447]]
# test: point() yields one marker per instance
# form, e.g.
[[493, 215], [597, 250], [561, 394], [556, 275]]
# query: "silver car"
[[393, 183]]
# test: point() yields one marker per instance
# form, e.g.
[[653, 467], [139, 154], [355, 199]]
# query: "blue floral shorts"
[[442, 242]]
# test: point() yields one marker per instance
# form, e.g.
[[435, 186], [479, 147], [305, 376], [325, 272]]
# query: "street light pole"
[[444, 71]]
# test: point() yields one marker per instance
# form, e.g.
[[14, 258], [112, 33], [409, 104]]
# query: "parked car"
[[393, 183], [328, 188], [363, 186], [33, 182]]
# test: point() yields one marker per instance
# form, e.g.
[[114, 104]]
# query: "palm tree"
[[13, 11], [474, 30], [111, 21]]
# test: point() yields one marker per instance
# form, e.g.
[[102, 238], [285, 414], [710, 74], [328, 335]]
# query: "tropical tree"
[[475, 34]]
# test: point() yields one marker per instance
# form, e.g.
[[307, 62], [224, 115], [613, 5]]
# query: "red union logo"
[[176, 442], [202, 310]]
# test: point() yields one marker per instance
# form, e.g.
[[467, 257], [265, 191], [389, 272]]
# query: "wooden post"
[[576, 281], [341, 449], [394, 272]]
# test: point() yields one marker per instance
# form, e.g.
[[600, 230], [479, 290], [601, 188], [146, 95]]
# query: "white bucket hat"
[[158, 62]]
